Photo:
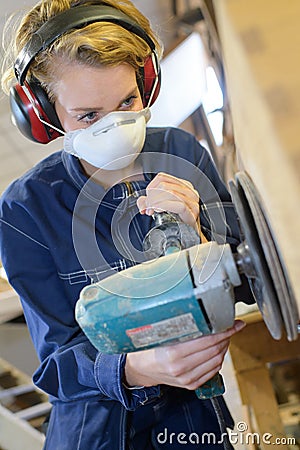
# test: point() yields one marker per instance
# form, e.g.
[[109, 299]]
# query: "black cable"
[[221, 421]]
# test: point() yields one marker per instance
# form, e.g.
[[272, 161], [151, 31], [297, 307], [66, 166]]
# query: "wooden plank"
[[17, 434], [251, 350], [10, 306], [254, 346], [41, 409], [256, 385], [18, 376], [23, 408]]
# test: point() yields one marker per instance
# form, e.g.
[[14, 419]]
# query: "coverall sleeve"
[[71, 368]]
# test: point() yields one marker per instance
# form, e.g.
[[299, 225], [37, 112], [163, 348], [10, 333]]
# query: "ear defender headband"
[[31, 108]]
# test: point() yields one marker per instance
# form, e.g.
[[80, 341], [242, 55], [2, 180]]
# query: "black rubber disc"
[[261, 284], [284, 293]]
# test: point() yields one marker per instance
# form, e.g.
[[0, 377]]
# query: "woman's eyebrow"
[[133, 92], [87, 109]]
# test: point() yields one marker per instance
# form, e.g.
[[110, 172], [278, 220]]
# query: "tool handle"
[[165, 217], [169, 234], [212, 388]]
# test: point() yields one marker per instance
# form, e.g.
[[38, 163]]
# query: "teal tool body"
[[182, 295]]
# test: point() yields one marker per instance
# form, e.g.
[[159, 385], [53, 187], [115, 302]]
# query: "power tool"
[[165, 300], [186, 289]]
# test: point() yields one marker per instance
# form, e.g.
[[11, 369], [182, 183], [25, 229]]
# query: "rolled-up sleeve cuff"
[[109, 371]]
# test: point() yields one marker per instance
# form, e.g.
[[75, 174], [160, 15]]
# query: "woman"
[[89, 71]]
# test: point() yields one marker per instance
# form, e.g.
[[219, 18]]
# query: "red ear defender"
[[28, 105], [151, 80]]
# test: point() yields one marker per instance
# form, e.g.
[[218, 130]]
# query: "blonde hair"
[[99, 43]]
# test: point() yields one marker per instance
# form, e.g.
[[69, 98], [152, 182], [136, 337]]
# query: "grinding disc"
[[285, 295], [261, 283]]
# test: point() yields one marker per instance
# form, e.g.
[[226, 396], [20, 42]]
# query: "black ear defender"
[[32, 111]]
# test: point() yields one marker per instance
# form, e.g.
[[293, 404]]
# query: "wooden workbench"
[[251, 350]]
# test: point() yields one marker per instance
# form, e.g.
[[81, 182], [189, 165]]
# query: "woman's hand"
[[187, 365], [168, 193]]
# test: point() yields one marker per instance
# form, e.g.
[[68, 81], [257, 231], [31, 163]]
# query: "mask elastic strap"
[[154, 62], [35, 109]]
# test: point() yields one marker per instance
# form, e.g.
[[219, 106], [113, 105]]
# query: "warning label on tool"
[[178, 328]]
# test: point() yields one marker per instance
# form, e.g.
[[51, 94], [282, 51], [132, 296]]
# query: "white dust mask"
[[112, 142]]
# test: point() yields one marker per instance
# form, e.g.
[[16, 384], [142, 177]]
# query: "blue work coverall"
[[51, 221]]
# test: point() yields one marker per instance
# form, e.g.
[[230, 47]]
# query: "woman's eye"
[[89, 117], [129, 101]]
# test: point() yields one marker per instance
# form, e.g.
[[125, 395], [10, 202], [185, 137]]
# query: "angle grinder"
[[186, 289]]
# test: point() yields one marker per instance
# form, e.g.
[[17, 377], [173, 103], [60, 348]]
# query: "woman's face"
[[85, 94]]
